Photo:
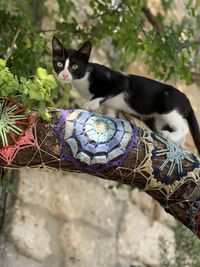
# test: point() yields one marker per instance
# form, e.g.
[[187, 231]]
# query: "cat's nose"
[[65, 76]]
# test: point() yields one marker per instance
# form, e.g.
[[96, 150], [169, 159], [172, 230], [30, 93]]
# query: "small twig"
[[10, 51], [151, 18]]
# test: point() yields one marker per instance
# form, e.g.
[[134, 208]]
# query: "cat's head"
[[70, 64]]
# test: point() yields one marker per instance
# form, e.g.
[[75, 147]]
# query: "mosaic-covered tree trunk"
[[113, 149]]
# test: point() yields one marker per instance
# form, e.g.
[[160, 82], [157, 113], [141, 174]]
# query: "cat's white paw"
[[165, 133], [92, 105], [174, 136], [111, 112]]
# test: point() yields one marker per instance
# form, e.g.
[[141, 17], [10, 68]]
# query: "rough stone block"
[[143, 201], [138, 239], [70, 196], [87, 245], [29, 235]]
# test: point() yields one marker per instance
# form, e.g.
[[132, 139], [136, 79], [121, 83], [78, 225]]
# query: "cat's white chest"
[[82, 86]]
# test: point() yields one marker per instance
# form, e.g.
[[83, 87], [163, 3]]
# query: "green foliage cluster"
[[187, 247], [21, 43], [168, 46], [38, 91]]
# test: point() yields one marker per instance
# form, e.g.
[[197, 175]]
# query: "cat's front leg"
[[93, 104], [111, 112]]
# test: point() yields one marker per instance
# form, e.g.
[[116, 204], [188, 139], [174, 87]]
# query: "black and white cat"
[[162, 107]]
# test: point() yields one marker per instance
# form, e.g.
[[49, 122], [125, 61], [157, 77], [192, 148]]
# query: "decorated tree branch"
[[112, 149]]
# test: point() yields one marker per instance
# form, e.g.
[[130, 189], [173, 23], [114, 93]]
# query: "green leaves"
[[168, 45], [24, 47], [8, 82], [45, 87], [40, 91], [2, 64]]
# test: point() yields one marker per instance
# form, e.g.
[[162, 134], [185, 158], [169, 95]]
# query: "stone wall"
[[76, 220], [67, 219]]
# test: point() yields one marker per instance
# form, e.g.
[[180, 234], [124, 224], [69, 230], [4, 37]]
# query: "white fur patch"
[[93, 104], [65, 76], [111, 112], [176, 121], [117, 103], [82, 86], [173, 119]]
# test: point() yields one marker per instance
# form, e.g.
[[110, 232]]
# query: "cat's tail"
[[194, 128]]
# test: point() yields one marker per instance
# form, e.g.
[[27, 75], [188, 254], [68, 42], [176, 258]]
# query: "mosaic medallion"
[[95, 139], [174, 156], [16, 129], [98, 139], [13, 122]]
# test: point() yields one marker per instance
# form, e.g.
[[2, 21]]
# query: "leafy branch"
[[195, 77], [169, 48]]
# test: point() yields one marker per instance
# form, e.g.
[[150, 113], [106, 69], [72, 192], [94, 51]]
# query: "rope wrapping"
[[109, 148]]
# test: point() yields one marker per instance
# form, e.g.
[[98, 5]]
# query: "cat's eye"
[[59, 64], [75, 67]]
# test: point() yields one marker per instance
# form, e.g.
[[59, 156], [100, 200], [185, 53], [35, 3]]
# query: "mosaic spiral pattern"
[[98, 139], [94, 139], [13, 122], [16, 130], [174, 156]]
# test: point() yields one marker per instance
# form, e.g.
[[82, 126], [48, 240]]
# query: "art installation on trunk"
[[110, 148], [95, 141], [16, 130]]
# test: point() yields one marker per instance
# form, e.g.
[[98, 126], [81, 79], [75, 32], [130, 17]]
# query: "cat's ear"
[[86, 49], [56, 45]]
